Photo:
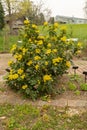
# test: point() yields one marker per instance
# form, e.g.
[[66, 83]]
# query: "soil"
[[9, 96]]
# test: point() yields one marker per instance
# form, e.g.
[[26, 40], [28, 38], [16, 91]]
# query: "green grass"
[[76, 30], [6, 43], [28, 117]]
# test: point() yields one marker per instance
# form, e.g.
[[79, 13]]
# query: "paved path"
[[82, 66]]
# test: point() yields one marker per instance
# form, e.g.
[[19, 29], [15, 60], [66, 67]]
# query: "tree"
[[39, 14], [15, 9], [1, 16], [25, 9]]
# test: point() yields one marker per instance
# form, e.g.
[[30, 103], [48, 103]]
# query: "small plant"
[[72, 86], [75, 78], [77, 92], [40, 59], [84, 87]]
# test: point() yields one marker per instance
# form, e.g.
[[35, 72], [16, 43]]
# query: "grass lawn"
[[76, 30], [28, 117], [6, 43]]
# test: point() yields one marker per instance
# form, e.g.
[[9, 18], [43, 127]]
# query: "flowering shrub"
[[40, 59]]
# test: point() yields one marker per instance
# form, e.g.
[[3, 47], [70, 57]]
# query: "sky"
[[72, 8]]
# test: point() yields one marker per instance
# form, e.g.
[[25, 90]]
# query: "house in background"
[[70, 20], [16, 24]]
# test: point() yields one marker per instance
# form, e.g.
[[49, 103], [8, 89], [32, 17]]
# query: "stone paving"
[[82, 66]]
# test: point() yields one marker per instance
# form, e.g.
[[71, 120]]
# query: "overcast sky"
[[65, 7]]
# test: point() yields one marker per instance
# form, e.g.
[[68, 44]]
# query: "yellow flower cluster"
[[79, 44], [12, 76], [48, 51], [47, 78], [45, 23], [29, 62], [36, 67], [34, 26], [63, 39], [20, 71], [24, 86], [23, 76], [46, 63], [13, 47], [24, 50], [56, 25], [18, 56], [40, 42], [41, 37], [26, 22], [10, 63], [38, 51], [68, 64], [56, 60], [54, 50], [37, 58], [49, 45]]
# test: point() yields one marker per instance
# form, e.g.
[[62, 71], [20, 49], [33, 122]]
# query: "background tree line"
[[22, 9]]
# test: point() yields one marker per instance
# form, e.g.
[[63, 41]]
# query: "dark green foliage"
[[1, 16]]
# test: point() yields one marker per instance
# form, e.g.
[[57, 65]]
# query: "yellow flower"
[[29, 62], [24, 86], [30, 40], [79, 44], [41, 37], [23, 76], [24, 50], [38, 51], [15, 76], [48, 51], [45, 23], [36, 67], [10, 63], [68, 64], [49, 45], [10, 76], [26, 22], [63, 39], [46, 63], [40, 42], [54, 50], [11, 71], [55, 25], [19, 57], [13, 47], [34, 26], [47, 78], [37, 58], [20, 71], [56, 60], [16, 56]]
